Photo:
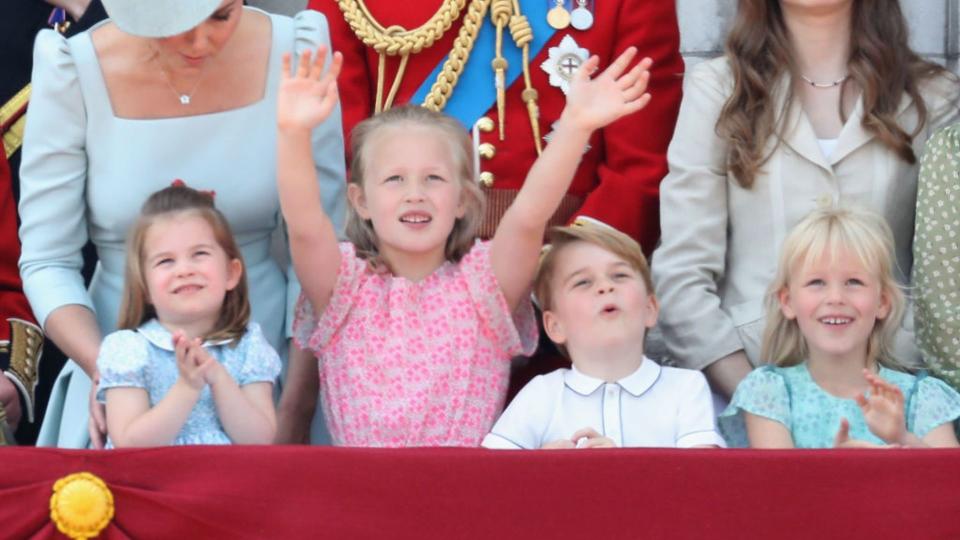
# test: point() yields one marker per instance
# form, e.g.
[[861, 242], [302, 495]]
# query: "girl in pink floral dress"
[[414, 321]]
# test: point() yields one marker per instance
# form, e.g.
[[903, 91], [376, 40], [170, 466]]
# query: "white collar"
[[636, 383], [160, 337]]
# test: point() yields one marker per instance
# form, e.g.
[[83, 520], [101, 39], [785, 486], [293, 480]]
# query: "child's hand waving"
[[884, 409], [307, 95], [617, 92]]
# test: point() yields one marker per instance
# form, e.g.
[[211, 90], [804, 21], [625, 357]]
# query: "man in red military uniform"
[[444, 54], [618, 179]]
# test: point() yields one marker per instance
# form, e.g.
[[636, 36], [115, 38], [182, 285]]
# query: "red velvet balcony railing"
[[303, 492]]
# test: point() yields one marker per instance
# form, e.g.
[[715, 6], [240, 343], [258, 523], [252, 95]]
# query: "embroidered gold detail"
[[81, 505], [13, 119], [25, 348]]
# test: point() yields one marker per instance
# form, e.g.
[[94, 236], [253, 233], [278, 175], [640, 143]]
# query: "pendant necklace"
[[184, 97]]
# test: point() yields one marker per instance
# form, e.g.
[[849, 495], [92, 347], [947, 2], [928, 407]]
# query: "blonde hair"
[[829, 233], [360, 231], [175, 202]]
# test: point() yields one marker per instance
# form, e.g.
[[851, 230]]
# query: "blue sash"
[[475, 92]]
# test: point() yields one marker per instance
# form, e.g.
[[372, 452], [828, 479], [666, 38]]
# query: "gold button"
[[486, 178], [487, 150], [485, 124]]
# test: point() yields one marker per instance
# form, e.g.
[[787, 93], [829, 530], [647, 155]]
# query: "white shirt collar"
[[636, 383], [160, 337]]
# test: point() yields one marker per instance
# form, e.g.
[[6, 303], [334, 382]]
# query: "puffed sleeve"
[[312, 330], [763, 393], [261, 363], [933, 403], [311, 31], [122, 362], [936, 256], [523, 424], [513, 333], [53, 177], [691, 260], [634, 149], [695, 420]]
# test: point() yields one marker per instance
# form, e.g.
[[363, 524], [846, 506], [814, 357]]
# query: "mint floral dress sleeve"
[[936, 255]]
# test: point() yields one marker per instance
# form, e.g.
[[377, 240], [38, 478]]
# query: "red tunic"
[[619, 177], [13, 304]]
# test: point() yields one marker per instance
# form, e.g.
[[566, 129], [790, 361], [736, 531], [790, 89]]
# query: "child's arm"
[[591, 104], [885, 416], [763, 432], [246, 412], [305, 99], [132, 422]]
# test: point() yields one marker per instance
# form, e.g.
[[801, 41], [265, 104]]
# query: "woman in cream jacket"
[[827, 106]]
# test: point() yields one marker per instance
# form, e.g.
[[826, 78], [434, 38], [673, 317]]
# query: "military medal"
[[563, 62], [581, 18], [558, 17]]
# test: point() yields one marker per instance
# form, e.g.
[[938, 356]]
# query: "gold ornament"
[[81, 505]]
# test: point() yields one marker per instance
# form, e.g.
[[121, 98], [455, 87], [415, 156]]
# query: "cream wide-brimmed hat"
[[158, 18]]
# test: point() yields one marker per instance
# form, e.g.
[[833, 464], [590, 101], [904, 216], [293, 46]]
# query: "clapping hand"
[[883, 410], [193, 362], [843, 440], [307, 95], [617, 92]]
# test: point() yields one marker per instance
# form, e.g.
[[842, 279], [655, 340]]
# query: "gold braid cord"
[[398, 41], [452, 68]]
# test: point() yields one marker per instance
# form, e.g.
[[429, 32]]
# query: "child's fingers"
[[319, 59], [622, 62], [861, 400], [635, 105], [843, 434], [303, 66], [587, 68], [587, 432], [285, 72]]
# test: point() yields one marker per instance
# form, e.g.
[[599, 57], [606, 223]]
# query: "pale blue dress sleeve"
[[53, 177], [311, 31], [122, 362], [764, 392], [932, 404], [260, 362]]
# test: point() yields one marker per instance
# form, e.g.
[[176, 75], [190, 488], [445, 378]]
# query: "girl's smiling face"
[[836, 302], [187, 273]]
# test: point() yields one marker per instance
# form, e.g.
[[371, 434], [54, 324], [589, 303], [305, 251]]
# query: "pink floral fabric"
[[414, 364]]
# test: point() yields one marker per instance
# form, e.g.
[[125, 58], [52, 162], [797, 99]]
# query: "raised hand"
[[307, 95], [842, 439], [617, 92], [884, 409]]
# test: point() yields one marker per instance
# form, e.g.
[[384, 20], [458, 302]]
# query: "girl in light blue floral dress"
[[187, 366], [832, 312]]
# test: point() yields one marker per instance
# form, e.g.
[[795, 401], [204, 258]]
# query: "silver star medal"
[[553, 127], [563, 62]]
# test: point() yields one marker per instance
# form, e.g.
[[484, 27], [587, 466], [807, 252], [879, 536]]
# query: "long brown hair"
[[360, 231], [881, 65], [170, 203]]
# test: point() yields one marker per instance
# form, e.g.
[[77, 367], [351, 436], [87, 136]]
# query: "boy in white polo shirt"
[[596, 293]]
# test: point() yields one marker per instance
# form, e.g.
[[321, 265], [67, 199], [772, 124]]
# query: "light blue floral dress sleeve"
[[932, 404], [123, 362], [258, 361], [764, 392]]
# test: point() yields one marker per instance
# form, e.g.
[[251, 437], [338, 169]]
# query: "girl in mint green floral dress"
[[832, 312]]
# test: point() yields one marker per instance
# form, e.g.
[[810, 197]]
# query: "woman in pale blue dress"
[[167, 89]]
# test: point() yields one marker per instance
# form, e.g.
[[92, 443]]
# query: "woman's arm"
[[691, 260], [298, 402], [591, 104]]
